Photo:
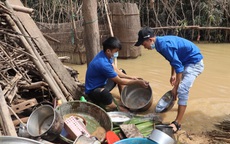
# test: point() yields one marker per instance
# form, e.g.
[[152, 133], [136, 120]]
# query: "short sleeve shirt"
[[99, 70], [178, 51]]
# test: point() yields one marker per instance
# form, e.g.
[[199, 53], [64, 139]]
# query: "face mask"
[[115, 55], [153, 46]]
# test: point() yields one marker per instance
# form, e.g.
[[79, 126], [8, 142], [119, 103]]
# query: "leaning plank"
[[60, 84], [47, 50], [5, 118]]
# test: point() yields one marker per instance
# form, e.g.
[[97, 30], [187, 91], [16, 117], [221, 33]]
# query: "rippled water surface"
[[209, 100]]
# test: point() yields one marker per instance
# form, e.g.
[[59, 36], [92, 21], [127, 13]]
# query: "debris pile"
[[30, 72]]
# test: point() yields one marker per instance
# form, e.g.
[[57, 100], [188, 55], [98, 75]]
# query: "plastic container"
[[82, 98]]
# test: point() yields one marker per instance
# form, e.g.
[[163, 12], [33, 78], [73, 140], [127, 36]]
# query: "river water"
[[209, 100]]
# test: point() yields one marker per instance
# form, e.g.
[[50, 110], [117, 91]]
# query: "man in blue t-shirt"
[[101, 70], [186, 64]]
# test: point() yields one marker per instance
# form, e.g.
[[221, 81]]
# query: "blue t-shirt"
[[178, 51], [98, 72]]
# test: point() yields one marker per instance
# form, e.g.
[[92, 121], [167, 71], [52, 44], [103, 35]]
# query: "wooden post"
[[91, 29], [110, 26], [5, 117]]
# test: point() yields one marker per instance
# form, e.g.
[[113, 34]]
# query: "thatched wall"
[[125, 23], [66, 45]]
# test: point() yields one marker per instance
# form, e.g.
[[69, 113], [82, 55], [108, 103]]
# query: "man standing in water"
[[186, 64], [101, 69]]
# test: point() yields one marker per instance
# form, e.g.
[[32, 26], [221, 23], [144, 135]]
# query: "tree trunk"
[[91, 29]]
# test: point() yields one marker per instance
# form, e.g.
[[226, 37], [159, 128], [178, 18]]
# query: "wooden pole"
[[5, 117], [74, 31], [110, 26]]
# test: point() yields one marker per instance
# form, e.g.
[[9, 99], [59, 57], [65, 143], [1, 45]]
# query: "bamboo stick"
[[110, 26], [12, 83], [51, 38], [22, 9]]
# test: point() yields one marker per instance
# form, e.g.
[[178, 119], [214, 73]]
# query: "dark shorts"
[[99, 96]]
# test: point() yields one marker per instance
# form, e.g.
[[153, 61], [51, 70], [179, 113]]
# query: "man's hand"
[[144, 83], [174, 93], [172, 80]]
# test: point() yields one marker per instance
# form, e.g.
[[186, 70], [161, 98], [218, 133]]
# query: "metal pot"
[[161, 137], [166, 129], [136, 98], [45, 122]]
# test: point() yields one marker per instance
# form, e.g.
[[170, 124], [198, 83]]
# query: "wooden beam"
[[191, 27], [5, 117]]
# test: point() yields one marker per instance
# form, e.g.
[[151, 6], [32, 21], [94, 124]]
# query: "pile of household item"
[[80, 122]]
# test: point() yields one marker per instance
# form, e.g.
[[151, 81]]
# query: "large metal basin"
[[94, 117], [17, 140], [136, 98]]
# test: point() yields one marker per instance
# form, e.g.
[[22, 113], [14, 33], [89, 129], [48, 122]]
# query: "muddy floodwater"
[[209, 100]]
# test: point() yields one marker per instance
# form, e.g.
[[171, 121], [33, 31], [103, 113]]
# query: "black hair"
[[111, 43]]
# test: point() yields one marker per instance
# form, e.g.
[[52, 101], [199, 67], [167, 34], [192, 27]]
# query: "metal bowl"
[[165, 103], [119, 118], [136, 98]]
